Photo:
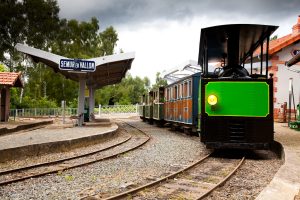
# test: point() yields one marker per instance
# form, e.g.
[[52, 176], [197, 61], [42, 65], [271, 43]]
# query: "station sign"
[[77, 65]]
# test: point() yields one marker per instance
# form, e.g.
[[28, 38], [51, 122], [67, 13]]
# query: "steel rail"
[[223, 181], [124, 194], [63, 159], [76, 165], [135, 190]]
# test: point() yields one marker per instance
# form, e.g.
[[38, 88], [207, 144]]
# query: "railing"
[[39, 112], [52, 112], [117, 109]]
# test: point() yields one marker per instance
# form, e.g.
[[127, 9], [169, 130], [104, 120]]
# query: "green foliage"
[[159, 82], [127, 92], [31, 21], [108, 40], [69, 177], [37, 23], [274, 37], [2, 68], [27, 102]]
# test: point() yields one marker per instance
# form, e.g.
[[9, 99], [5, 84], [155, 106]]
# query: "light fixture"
[[212, 100]]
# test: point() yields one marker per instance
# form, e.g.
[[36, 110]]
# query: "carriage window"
[[185, 89], [176, 92], [181, 90], [190, 88], [156, 97], [161, 96]]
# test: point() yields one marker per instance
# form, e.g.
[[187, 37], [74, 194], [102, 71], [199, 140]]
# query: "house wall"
[[4, 103], [282, 76]]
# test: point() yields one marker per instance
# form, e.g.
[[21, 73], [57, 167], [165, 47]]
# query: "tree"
[[108, 40], [159, 82], [33, 22], [2, 68], [127, 92], [36, 23], [12, 23]]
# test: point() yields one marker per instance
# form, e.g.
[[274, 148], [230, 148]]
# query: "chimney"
[[296, 27]]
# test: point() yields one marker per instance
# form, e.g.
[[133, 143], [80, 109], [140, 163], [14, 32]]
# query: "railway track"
[[136, 139], [196, 181]]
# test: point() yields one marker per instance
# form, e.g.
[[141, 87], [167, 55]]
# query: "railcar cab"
[[158, 104], [141, 107], [236, 98], [149, 107]]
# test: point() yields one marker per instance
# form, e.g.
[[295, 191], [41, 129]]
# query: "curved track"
[[195, 181], [135, 140]]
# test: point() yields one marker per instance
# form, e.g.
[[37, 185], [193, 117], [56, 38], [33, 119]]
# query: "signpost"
[[77, 65]]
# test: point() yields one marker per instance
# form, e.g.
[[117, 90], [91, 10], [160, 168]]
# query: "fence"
[[117, 109], [101, 110], [39, 112]]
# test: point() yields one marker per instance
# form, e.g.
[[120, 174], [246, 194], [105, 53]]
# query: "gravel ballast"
[[165, 153]]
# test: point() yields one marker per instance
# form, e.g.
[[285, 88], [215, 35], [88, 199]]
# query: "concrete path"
[[286, 183], [45, 140]]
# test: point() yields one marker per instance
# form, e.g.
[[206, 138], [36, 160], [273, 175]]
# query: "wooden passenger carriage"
[[181, 101]]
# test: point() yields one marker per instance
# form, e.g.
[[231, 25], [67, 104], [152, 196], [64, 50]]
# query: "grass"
[[69, 177]]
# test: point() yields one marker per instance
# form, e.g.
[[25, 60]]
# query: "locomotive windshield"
[[235, 51]]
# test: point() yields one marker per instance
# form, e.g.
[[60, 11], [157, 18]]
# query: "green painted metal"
[[149, 111], [158, 111], [244, 99]]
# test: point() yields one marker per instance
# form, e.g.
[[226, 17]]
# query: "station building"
[[7, 80], [282, 50]]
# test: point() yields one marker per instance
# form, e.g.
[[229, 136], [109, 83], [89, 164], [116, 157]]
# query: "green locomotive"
[[230, 106], [236, 99]]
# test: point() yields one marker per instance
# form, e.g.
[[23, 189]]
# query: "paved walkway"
[[40, 136], [45, 140], [286, 183]]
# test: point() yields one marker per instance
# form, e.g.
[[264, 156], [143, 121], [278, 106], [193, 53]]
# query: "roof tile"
[[11, 79]]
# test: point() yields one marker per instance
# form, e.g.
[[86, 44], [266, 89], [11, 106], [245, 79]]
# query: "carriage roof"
[[215, 38]]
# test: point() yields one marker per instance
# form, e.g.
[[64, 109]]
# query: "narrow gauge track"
[[136, 139], [196, 181]]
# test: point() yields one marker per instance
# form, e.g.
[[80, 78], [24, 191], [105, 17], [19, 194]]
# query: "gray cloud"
[[131, 12]]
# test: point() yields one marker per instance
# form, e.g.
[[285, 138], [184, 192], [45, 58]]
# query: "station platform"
[[53, 138], [286, 183]]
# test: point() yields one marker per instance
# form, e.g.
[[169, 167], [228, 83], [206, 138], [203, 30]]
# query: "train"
[[229, 106]]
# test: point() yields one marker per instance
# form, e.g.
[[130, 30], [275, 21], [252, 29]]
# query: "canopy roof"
[[214, 40], [109, 69], [12, 79]]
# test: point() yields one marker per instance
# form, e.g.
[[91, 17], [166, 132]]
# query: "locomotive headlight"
[[212, 100]]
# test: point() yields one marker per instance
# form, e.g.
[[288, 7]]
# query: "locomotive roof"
[[215, 40]]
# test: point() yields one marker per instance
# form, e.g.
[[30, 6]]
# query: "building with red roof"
[[7, 80], [282, 50]]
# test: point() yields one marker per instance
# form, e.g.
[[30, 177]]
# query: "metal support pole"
[[267, 56], [251, 64], [80, 108], [91, 101], [99, 111], [261, 57], [290, 99]]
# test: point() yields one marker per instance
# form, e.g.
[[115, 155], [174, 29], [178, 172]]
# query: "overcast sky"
[[166, 33]]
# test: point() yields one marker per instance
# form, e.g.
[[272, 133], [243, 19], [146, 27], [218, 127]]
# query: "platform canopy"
[[109, 69]]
